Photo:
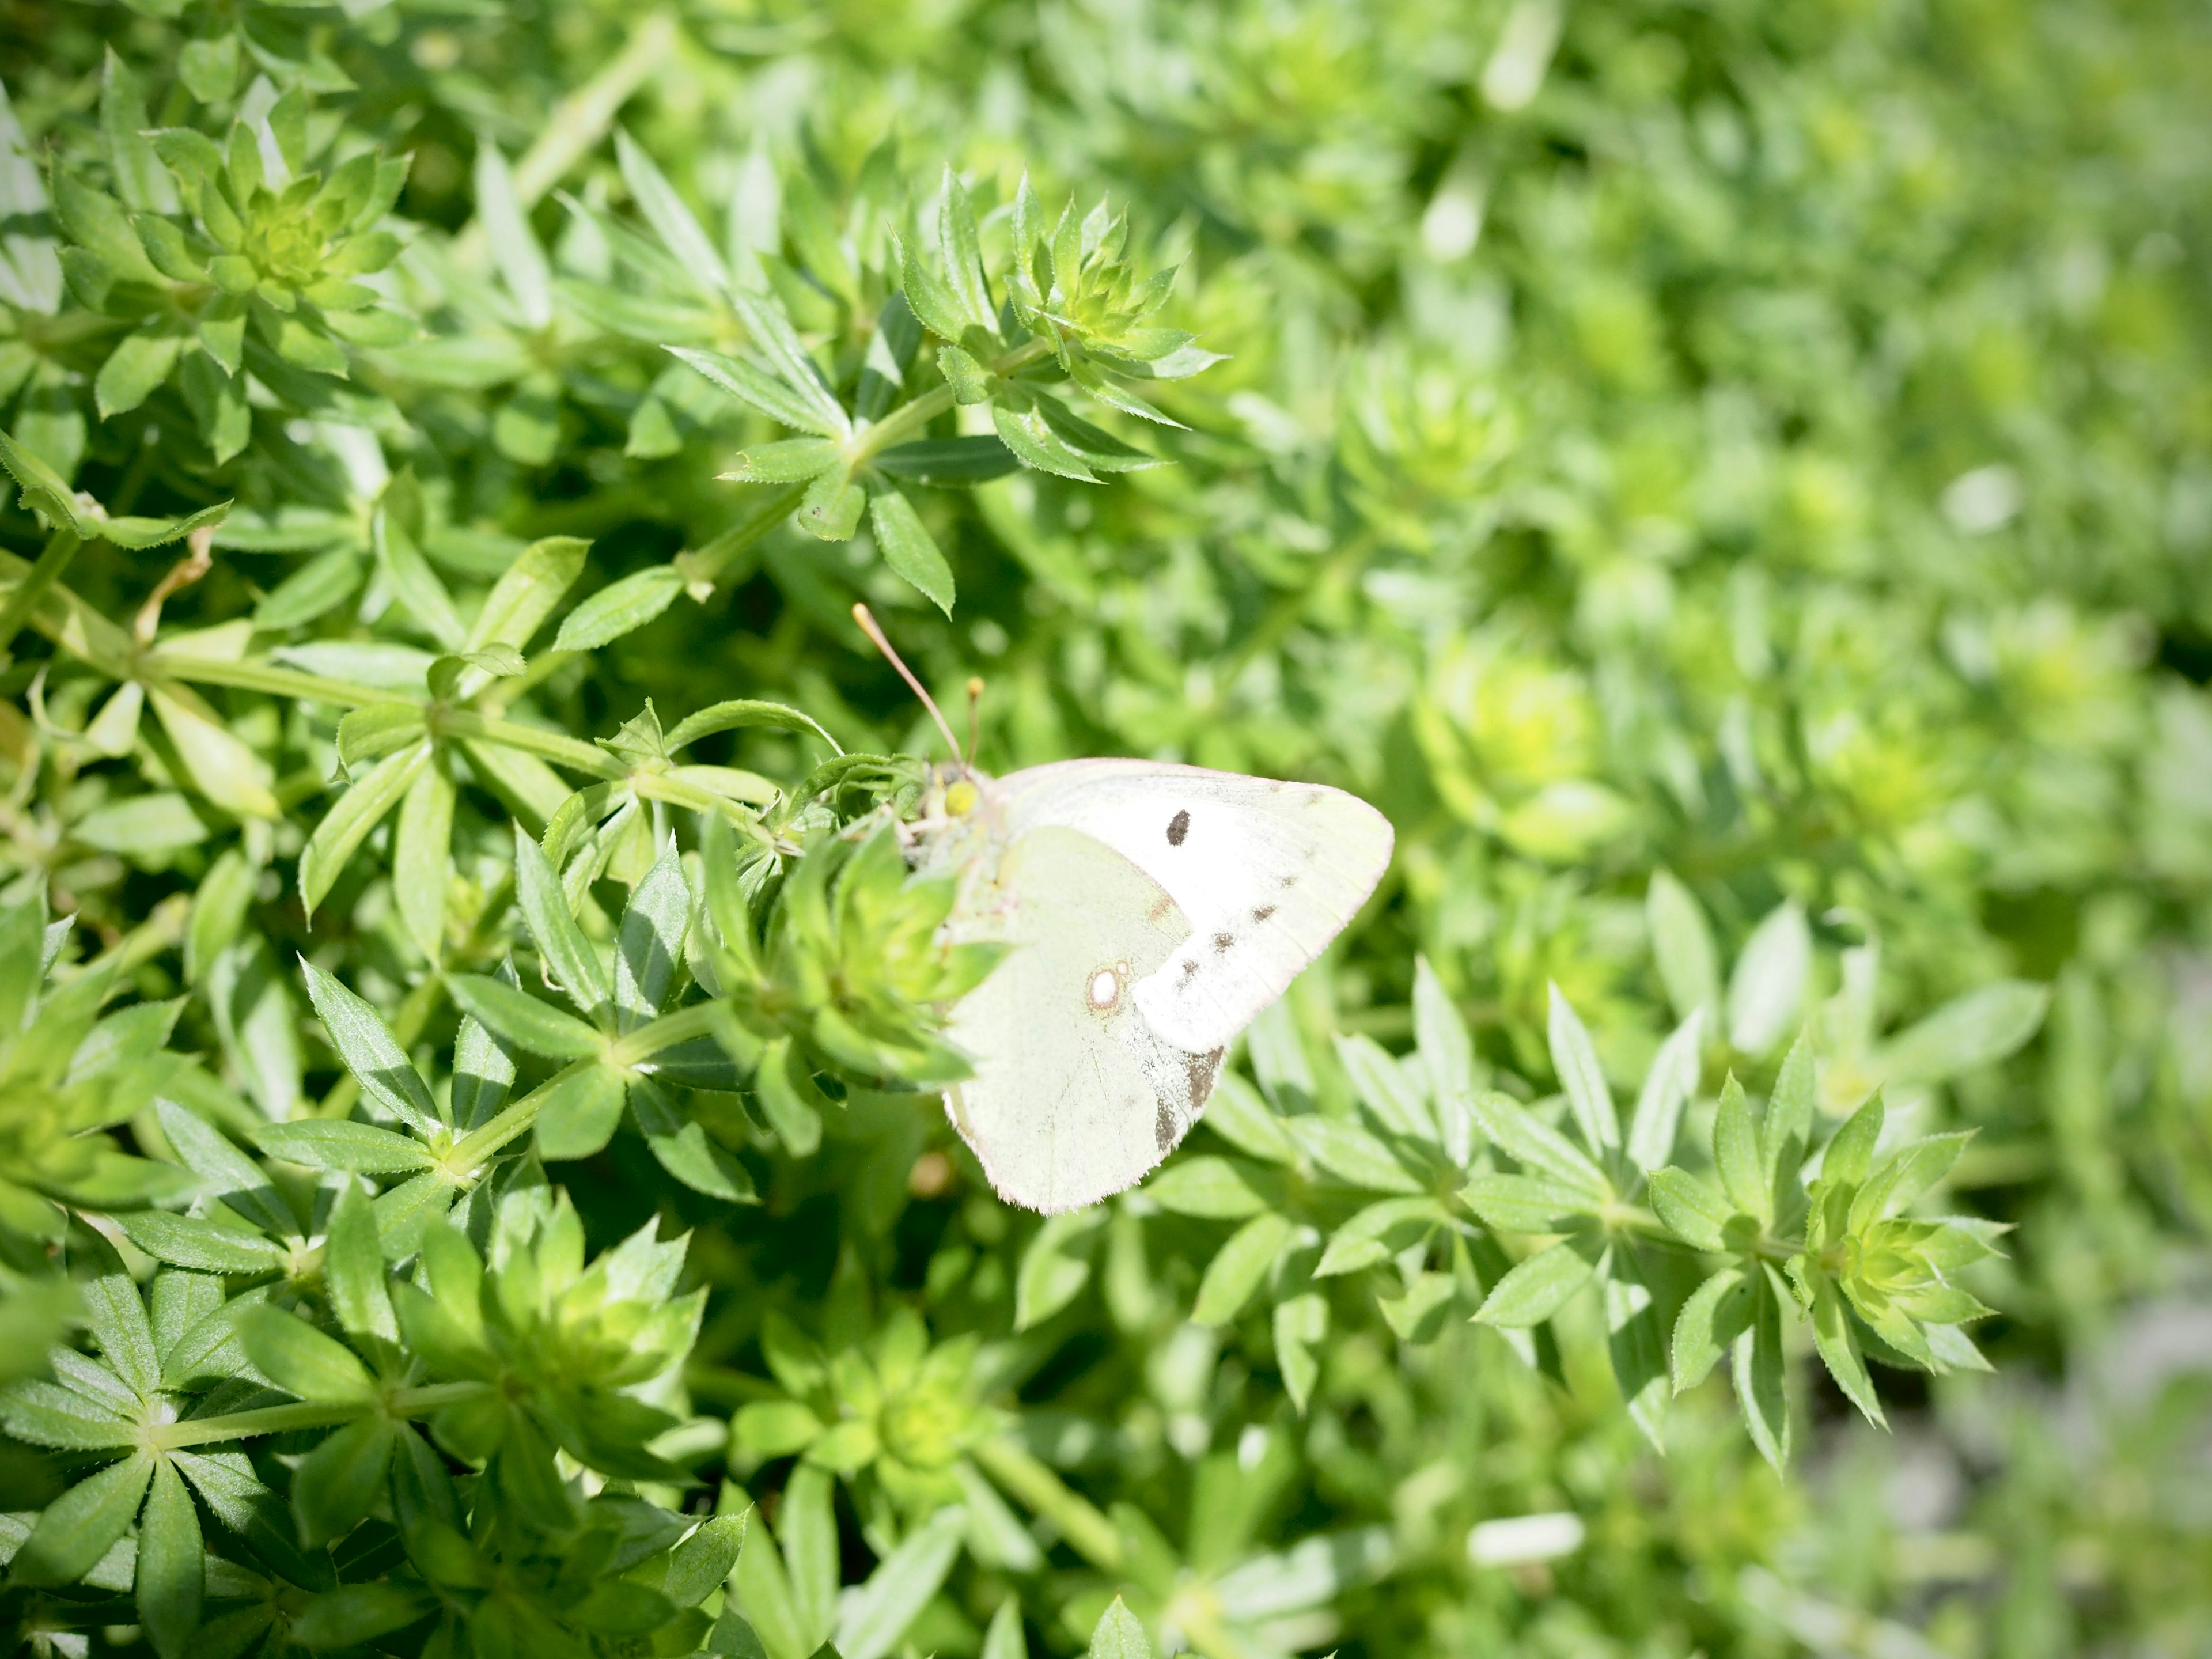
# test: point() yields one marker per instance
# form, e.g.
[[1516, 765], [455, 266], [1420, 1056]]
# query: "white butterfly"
[[1153, 910]]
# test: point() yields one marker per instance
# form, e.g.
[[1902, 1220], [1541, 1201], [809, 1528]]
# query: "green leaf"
[[140, 178], [619, 608], [1967, 1034], [757, 390], [1667, 1087], [1119, 1635], [697, 1566], [788, 1098], [361, 1148], [581, 1108], [764, 1594], [1634, 1341], [1351, 1154], [1215, 1188], [527, 592], [338, 1483], [117, 1321], [908, 548], [671, 221], [774, 337], [830, 509], [1736, 1153], [871, 1618], [80, 1526], [1448, 1053], [1691, 1211], [139, 364], [534, 1027], [1716, 1314], [514, 247], [544, 904], [1576, 1061], [1760, 1370], [422, 860], [1300, 1327], [1768, 986], [1034, 442], [354, 1613], [1689, 962], [301, 1360], [1525, 1204], [948, 461], [649, 943], [1379, 1232], [1839, 1348], [172, 1571], [1055, 1267], [1849, 1155], [347, 824], [387, 1078], [1536, 1146], [1535, 1288], [202, 1246], [793, 460], [1386, 1088], [744, 711], [353, 1269], [1239, 1267], [1004, 1640]]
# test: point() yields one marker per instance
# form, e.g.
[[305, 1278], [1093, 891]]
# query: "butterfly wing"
[[1074, 1097], [1267, 873]]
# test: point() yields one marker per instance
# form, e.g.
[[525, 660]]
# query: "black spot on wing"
[[1263, 913], [1199, 1071], [1189, 966], [1164, 1129], [1178, 827], [1222, 942]]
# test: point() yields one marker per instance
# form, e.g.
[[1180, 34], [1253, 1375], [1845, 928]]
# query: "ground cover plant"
[[1733, 483]]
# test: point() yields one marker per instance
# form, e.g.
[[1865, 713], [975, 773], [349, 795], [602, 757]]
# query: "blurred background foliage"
[[1734, 483]]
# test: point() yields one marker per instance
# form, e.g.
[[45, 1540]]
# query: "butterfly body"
[[1152, 911]]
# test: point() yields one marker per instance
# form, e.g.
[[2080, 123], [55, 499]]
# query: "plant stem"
[[309, 1414], [571, 752], [908, 418], [61, 547], [469, 1153], [702, 570], [252, 674], [1090, 1534], [682, 1025]]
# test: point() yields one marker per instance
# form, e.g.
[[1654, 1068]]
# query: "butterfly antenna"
[[863, 615], [975, 717]]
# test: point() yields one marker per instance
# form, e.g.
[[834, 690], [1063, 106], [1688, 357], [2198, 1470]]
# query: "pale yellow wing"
[[1074, 1097]]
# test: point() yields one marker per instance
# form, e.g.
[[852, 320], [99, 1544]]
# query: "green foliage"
[[1733, 485]]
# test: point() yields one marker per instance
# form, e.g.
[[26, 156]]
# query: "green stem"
[[1090, 1534], [703, 569], [61, 547], [308, 1414], [250, 674], [470, 1152], [682, 1025], [562, 750], [909, 418]]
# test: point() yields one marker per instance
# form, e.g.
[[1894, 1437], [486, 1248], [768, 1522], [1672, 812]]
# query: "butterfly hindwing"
[[1074, 1097], [1267, 873]]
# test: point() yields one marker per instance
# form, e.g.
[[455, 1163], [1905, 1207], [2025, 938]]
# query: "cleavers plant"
[[1730, 483]]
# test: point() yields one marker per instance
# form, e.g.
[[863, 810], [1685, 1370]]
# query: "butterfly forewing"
[[1267, 873]]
